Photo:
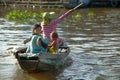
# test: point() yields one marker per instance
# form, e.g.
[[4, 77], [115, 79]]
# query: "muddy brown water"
[[94, 40]]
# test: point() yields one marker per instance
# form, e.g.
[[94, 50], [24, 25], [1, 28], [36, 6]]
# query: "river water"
[[94, 42]]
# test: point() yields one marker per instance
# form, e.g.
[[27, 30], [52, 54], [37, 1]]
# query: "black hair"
[[37, 25]]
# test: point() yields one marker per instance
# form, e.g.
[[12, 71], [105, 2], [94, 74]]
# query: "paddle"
[[78, 6]]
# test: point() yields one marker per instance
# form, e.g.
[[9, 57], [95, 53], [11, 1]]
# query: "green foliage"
[[78, 15], [90, 14], [31, 17], [26, 16]]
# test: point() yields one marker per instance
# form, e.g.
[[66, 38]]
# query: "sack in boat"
[[28, 56]]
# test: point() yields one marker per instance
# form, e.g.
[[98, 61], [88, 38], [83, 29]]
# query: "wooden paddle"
[[78, 6]]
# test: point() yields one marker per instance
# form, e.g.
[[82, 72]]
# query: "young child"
[[36, 43], [49, 23], [54, 44]]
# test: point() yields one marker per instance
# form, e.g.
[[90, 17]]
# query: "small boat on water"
[[43, 61], [91, 3]]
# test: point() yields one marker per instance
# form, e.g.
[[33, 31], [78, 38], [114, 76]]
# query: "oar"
[[78, 6]]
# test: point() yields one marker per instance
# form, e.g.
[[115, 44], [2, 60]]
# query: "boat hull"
[[43, 61]]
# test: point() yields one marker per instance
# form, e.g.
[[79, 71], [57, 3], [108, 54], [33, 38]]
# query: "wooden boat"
[[44, 61], [92, 3]]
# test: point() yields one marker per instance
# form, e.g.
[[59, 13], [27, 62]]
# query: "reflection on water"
[[34, 76], [94, 43]]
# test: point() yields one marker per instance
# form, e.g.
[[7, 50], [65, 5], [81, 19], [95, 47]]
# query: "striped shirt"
[[47, 29]]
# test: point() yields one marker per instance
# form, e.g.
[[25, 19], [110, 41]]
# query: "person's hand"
[[25, 41]]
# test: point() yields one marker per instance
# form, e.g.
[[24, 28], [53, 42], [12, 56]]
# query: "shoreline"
[[50, 4]]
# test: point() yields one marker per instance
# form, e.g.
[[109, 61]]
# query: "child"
[[36, 43], [49, 25], [54, 44]]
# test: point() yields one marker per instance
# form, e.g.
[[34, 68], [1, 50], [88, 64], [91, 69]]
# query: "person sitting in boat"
[[55, 42], [37, 44], [49, 22]]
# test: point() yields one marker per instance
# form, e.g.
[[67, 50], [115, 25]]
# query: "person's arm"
[[26, 41], [59, 19], [54, 44], [43, 44]]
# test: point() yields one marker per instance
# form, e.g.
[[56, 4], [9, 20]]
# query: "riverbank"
[[33, 3], [58, 3]]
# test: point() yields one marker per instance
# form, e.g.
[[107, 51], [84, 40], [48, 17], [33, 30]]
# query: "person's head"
[[53, 35], [47, 17], [37, 29]]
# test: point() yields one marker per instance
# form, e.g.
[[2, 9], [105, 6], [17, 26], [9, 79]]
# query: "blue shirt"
[[34, 45]]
